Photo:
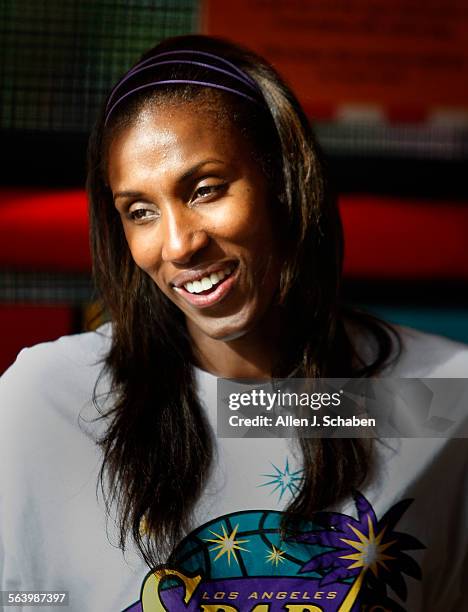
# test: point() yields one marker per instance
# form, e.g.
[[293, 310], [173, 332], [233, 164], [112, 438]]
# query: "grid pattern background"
[[59, 58], [45, 287]]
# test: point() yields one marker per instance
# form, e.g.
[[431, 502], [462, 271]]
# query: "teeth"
[[207, 282]]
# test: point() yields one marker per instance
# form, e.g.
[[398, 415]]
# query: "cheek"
[[246, 223], [144, 249]]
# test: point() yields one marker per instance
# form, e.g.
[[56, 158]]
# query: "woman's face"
[[196, 214]]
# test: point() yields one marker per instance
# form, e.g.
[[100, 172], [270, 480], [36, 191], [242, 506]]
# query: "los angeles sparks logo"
[[239, 563]]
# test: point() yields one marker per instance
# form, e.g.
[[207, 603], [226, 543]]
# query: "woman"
[[217, 250]]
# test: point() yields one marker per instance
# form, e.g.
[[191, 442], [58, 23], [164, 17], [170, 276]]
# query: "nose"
[[183, 236]]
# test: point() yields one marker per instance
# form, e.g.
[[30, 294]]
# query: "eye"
[[142, 214], [206, 191]]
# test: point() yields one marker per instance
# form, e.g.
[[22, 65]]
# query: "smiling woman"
[[195, 211], [217, 250]]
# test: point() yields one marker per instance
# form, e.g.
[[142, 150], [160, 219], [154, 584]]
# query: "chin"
[[227, 337], [226, 331], [225, 334]]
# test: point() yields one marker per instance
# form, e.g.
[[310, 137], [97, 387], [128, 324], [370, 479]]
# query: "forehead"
[[170, 137]]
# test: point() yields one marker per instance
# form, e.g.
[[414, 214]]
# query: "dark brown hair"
[[158, 448]]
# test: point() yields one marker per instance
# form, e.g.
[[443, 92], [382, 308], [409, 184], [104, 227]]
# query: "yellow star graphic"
[[370, 550], [275, 555], [227, 544]]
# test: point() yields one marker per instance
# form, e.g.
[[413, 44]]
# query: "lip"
[[214, 297], [197, 273]]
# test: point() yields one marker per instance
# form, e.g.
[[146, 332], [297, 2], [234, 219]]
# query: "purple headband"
[[232, 78]]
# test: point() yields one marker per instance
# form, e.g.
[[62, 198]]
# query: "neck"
[[253, 355]]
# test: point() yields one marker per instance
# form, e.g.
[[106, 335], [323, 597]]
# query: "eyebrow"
[[184, 177]]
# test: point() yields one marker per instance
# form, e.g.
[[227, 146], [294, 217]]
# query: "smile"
[[209, 289], [208, 282]]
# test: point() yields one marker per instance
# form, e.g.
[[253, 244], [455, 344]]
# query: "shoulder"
[[428, 356], [414, 354], [53, 378], [79, 349], [68, 354]]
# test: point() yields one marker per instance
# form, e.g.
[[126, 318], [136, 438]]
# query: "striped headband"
[[171, 67]]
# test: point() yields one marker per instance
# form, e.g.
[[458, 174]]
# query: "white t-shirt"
[[401, 542]]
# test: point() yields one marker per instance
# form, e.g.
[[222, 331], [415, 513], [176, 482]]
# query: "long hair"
[[158, 447]]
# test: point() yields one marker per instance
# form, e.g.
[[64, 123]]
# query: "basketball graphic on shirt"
[[241, 562], [223, 547]]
